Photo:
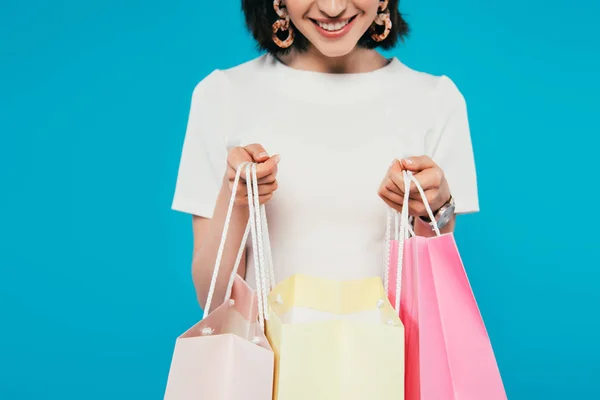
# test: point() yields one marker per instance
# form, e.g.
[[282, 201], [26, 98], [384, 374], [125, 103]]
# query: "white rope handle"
[[399, 230], [259, 238], [258, 228], [213, 281], [269, 263], [252, 227], [388, 238], [404, 231], [426, 203], [264, 248], [257, 264], [238, 261]]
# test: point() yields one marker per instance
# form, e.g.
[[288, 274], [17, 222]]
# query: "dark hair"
[[260, 16]]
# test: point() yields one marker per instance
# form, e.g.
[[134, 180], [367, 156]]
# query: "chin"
[[335, 50]]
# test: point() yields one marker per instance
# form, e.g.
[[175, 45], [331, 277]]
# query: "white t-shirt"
[[337, 135]]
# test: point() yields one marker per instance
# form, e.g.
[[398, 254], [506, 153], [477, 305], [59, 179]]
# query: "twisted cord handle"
[[213, 281]]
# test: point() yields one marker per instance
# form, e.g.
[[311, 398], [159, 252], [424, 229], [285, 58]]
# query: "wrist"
[[443, 215], [435, 211]]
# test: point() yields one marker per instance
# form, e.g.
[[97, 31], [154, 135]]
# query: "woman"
[[324, 114]]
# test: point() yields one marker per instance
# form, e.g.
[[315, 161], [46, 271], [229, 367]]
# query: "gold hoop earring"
[[282, 24], [382, 19]]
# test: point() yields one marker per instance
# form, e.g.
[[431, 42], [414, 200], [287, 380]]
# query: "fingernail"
[[276, 158], [407, 161], [263, 154]]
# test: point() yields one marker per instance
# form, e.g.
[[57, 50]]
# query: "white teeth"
[[333, 27]]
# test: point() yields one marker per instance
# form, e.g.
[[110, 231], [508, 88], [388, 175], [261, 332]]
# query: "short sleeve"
[[204, 155], [449, 145]]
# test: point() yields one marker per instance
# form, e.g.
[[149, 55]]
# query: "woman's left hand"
[[428, 174]]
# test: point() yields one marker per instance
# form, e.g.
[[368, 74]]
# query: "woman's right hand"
[[266, 171]]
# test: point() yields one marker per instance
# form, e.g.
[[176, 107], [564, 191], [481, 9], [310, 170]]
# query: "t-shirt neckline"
[[321, 86]]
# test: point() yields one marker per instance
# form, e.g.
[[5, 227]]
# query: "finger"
[[392, 199], [391, 186], [268, 167], [268, 179], [263, 189], [396, 177], [396, 200], [265, 179], [430, 178], [430, 195], [416, 208], [263, 199], [396, 165], [267, 188], [257, 152], [238, 155], [235, 158], [396, 183], [419, 163], [392, 205], [231, 172], [241, 191]]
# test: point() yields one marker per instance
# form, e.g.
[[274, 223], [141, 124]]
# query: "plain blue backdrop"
[[95, 278]]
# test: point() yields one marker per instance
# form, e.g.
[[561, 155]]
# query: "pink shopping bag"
[[227, 356], [448, 351]]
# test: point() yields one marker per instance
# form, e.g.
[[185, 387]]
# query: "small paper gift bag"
[[448, 351], [226, 356], [335, 340]]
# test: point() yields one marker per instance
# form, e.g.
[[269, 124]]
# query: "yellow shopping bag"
[[335, 340]]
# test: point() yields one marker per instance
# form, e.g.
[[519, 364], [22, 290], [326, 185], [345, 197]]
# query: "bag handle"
[[430, 214], [257, 229], [403, 231], [264, 244], [257, 226], [213, 281], [252, 187]]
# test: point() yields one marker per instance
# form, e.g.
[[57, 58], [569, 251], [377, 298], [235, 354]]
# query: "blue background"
[[95, 278]]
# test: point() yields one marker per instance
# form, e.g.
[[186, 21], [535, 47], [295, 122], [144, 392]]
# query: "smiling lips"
[[334, 29]]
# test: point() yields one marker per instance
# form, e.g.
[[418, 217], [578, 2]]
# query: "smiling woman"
[[332, 126], [325, 106]]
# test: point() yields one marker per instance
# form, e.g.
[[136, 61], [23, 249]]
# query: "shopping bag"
[[449, 355], [335, 340], [226, 355]]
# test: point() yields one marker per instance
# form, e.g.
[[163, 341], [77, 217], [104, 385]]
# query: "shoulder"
[[216, 97], [220, 81], [247, 69], [435, 88]]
